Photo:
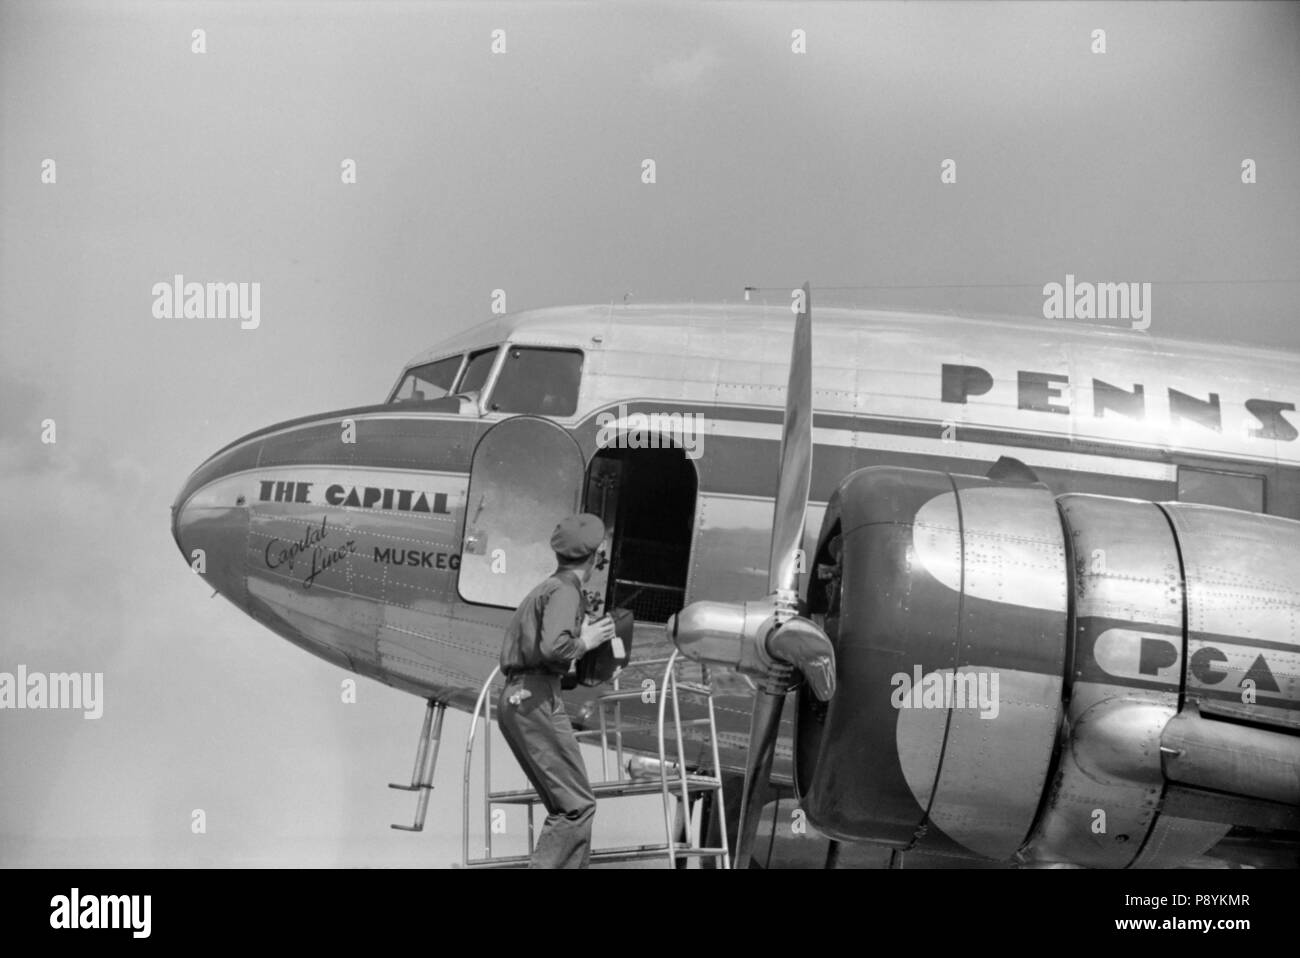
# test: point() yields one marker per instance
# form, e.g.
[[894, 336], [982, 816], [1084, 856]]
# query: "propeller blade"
[[790, 506], [804, 646], [763, 726], [795, 478]]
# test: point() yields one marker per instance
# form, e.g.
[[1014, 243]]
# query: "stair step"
[[627, 853], [620, 695], [628, 730], [631, 786], [692, 687], [623, 694]]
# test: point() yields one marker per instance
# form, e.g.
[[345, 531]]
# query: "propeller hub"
[[727, 634], [759, 639]]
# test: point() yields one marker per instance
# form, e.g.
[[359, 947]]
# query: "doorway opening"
[[646, 498]]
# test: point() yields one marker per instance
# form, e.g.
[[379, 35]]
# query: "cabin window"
[[540, 381], [1235, 490], [477, 369], [430, 381]]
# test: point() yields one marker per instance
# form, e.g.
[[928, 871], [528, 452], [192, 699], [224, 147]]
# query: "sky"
[[519, 171]]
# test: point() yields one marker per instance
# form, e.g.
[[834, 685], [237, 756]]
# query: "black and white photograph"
[[650, 436]]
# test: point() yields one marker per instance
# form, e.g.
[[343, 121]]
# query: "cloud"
[[682, 75], [79, 456]]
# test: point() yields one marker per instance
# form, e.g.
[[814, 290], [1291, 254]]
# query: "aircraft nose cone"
[[178, 518], [210, 527], [183, 517], [176, 528]]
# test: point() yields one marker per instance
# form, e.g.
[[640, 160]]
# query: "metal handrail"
[[669, 686], [663, 761], [717, 771], [486, 705]]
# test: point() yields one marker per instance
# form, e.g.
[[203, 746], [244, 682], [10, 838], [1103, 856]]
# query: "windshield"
[[476, 372], [430, 381], [536, 380]]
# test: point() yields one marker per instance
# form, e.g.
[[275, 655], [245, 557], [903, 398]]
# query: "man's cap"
[[578, 536]]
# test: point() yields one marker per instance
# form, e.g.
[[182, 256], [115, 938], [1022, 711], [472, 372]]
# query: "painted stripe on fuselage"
[[932, 429], [1146, 656], [923, 444]]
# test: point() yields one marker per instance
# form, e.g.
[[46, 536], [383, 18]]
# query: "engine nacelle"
[[1009, 664]]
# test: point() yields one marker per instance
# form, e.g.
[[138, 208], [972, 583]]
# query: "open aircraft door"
[[527, 475]]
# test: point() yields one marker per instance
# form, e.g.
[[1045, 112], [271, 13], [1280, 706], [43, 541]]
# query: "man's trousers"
[[538, 731]]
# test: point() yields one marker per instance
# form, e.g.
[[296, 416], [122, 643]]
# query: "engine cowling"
[[1010, 665]]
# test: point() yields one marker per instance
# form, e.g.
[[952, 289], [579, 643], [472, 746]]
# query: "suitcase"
[[599, 665]]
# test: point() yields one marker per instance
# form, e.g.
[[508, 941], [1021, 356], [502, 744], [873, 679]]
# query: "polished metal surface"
[[1232, 759], [526, 476], [794, 475], [1243, 611], [724, 633], [950, 634], [1011, 639], [354, 552], [1126, 581], [805, 646]]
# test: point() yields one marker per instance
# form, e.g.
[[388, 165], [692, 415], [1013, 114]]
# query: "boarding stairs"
[[681, 790]]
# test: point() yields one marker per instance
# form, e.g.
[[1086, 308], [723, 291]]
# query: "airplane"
[[976, 591]]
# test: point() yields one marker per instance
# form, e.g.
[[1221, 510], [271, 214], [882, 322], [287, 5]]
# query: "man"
[[549, 630]]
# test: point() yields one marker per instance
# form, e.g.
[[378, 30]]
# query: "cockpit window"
[[541, 381], [430, 381], [476, 373]]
